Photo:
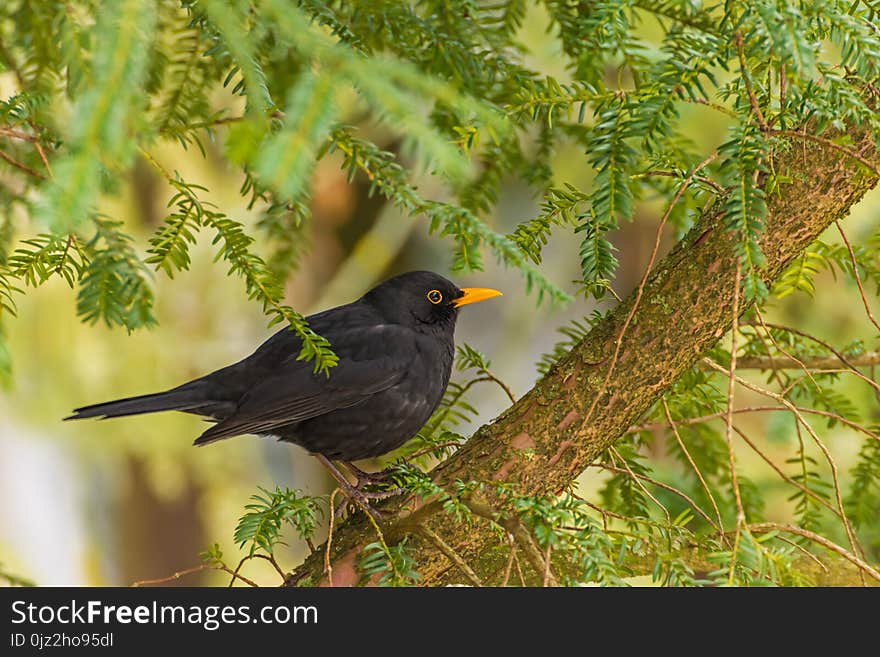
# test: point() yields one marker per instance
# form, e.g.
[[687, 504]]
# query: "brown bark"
[[545, 440]]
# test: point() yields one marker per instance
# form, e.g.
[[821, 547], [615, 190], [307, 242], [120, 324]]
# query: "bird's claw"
[[365, 478], [361, 498]]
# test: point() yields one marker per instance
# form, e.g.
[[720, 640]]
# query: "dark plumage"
[[395, 348]]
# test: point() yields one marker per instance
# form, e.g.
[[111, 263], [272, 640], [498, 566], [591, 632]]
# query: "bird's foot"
[[361, 498], [357, 494], [364, 478]]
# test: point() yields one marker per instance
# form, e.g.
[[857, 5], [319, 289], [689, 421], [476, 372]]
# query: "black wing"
[[372, 359]]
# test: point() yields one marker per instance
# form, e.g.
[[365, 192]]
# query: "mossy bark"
[[545, 440]]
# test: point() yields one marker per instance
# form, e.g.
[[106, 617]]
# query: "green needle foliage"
[[276, 86]]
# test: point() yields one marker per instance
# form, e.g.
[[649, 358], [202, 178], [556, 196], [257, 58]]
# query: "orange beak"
[[475, 294]]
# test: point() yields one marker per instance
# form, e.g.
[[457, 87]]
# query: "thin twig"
[[674, 174], [328, 567], [753, 101], [547, 575], [759, 409], [450, 554], [195, 569], [805, 552], [821, 445], [177, 575], [533, 554], [519, 572], [687, 454], [830, 144], [616, 455], [790, 362], [657, 238], [821, 500], [855, 266], [43, 157], [431, 448], [728, 434], [271, 559], [502, 385], [715, 106], [765, 527], [660, 484], [18, 165], [849, 362], [781, 350], [234, 573], [509, 568], [17, 134]]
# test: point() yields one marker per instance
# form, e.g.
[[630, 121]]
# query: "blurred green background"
[[114, 502]]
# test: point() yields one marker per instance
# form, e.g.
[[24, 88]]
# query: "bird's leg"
[[362, 477], [354, 493], [367, 478]]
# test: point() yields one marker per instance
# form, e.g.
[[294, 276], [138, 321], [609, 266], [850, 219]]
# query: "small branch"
[[501, 383], [177, 575], [197, 569], [17, 134], [616, 455], [765, 527], [866, 359], [731, 387], [756, 109], [533, 554], [855, 266], [660, 484], [271, 559], [547, 573], [715, 106], [431, 448], [800, 418], [830, 144], [821, 500], [673, 174], [849, 362], [760, 409], [18, 165], [328, 567], [235, 572], [450, 554], [687, 454], [31, 138], [779, 348], [43, 158], [635, 306], [509, 569], [806, 553]]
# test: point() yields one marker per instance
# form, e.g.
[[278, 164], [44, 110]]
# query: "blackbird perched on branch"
[[395, 348]]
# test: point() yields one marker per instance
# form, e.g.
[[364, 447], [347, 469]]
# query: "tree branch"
[[542, 443]]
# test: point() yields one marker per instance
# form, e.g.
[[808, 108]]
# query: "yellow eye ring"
[[435, 297]]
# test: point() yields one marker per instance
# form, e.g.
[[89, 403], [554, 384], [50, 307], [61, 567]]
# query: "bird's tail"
[[183, 398]]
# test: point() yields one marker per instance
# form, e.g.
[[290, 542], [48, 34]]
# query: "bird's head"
[[423, 299]]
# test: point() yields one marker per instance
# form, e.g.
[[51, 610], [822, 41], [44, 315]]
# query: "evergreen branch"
[[286, 157], [231, 20], [169, 252], [101, 115], [114, 286], [389, 179], [745, 206]]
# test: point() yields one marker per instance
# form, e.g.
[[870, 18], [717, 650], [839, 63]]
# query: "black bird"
[[395, 348]]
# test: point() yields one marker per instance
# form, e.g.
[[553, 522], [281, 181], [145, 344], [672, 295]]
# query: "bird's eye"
[[435, 297]]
